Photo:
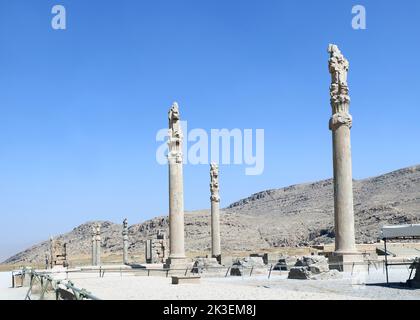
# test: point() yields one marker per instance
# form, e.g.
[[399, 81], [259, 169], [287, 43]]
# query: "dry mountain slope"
[[294, 216]]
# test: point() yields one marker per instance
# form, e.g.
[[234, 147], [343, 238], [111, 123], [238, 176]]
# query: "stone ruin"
[[415, 282], [208, 266], [263, 256], [58, 253], [157, 249], [312, 268], [247, 265], [284, 263]]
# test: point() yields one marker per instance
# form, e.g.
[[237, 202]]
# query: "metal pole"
[[269, 274], [386, 262]]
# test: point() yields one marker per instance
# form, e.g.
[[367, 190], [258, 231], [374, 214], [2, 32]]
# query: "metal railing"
[[43, 282], [62, 289]]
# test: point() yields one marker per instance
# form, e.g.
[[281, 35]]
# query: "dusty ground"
[[131, 287]]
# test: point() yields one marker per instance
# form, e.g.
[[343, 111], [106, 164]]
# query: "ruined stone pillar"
[[51, 262], [98, 245], [125, 241], [93, 246], [215, 212], [176, 190], [340, 125]]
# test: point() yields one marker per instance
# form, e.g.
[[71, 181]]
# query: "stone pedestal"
[[215, 212], [177, 263], [340, 125], [347, 262]]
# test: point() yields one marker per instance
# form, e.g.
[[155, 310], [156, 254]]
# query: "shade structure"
[[400, 231]]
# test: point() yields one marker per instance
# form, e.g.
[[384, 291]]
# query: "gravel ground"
[[8, 293], [132, 287]]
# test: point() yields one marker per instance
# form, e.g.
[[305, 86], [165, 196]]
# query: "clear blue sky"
[[80, 108]]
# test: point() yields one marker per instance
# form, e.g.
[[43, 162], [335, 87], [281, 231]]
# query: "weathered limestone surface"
[[157, 249], [340, 125], [125, 241], [284, 263], [58, 253], [177, 256], [244, 266], [312, 267], [208, 267], [215, 212]]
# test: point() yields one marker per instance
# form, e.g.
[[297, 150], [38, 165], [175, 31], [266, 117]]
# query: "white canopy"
[[405, 230]]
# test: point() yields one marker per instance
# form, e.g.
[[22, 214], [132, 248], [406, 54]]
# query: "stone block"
[[185, 279]]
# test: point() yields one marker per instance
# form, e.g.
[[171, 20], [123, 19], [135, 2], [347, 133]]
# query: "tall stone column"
[[125, 241], [93, 246], [215, 212], [176, 190], [51, 253], [340, 125], [98, 244]]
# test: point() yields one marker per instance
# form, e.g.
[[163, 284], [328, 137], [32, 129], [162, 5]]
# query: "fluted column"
[[215, 212], [340, 125]]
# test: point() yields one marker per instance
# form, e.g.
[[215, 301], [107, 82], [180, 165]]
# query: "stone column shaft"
[[215, 211], [176, 210], [94, 250], [215, 229], [343, 191], [98, 252]]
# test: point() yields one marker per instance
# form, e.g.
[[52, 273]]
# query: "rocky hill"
[[298, 215]]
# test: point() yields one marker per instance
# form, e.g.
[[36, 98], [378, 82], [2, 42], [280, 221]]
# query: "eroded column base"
[[177, 263], [347, 262]]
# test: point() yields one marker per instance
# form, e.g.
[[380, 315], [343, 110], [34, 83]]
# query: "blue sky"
[[80, 108]]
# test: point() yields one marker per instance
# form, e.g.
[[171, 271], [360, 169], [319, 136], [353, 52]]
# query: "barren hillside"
[[294, 216]]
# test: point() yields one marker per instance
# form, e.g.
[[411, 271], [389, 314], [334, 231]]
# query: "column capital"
[[214, 182], [340, 119], [176, 138], [338, 67], [125, 227]]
